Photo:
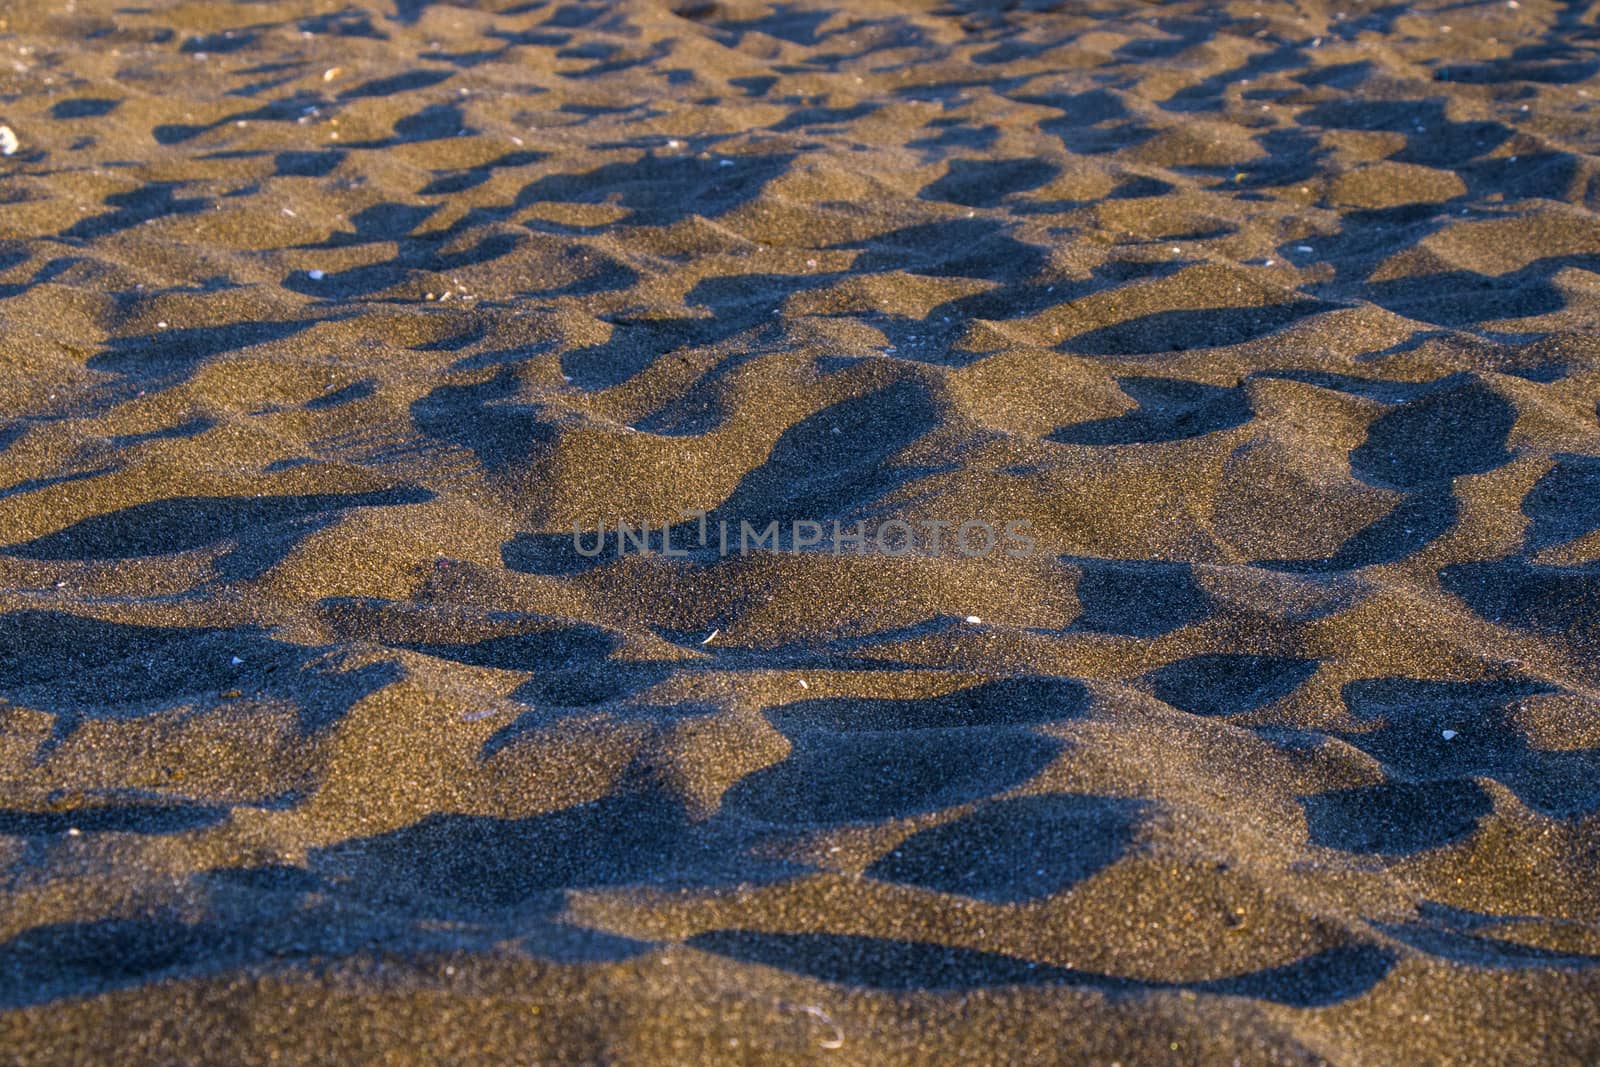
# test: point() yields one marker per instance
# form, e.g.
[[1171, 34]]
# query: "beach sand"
[[1273, 737]]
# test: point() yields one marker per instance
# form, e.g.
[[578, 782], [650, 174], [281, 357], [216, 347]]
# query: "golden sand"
[[1275, 325]]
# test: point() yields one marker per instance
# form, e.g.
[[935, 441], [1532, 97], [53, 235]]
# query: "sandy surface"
[[1275, 326]]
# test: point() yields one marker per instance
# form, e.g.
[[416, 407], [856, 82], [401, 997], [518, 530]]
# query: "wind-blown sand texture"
[[1279, 323]]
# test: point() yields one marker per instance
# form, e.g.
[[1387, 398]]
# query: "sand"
[[1273, 736]]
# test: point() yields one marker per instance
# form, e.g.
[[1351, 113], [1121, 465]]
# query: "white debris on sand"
[[836, 1039], [8, 141]]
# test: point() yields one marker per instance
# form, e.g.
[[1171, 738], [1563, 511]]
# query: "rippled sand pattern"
[[1277, 324]]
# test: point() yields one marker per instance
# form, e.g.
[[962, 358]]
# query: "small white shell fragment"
[[1447, 734], [836, 1040], [8, 141], [804, 684], [316, 275], [710, 636], [237, 661], [1304, 248], [973, 619]]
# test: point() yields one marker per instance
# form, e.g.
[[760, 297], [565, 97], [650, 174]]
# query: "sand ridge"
[[324, 325]]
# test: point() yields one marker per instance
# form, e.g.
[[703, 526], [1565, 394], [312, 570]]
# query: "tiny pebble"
[[973, 618], [73, 831], [1448, 734], [8, 141], [1303, 248], [317, 275]]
